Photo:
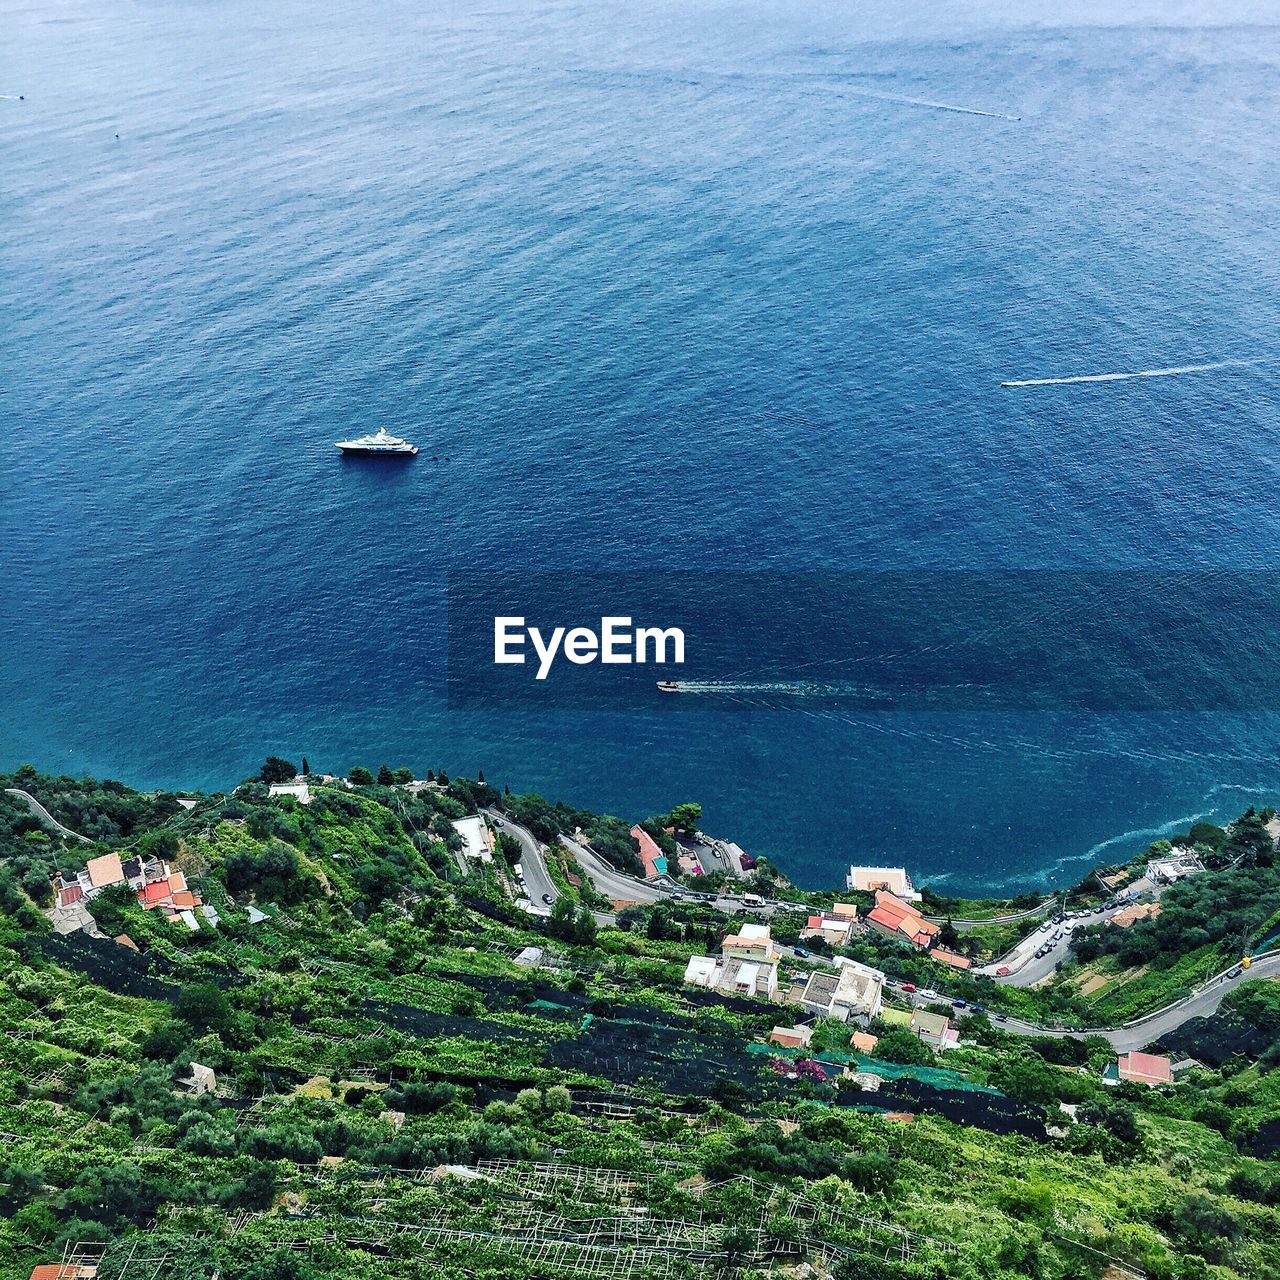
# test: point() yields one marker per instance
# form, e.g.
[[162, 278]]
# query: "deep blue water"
[[690, 286]]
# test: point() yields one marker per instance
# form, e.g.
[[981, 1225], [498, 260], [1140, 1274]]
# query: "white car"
[[929, 994]]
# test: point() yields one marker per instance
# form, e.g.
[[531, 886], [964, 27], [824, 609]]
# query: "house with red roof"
[[1151, 1069], [900, 921], [655, 861]]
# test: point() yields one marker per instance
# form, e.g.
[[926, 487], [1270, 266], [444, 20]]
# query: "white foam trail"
[[924, 102], [12, 97], [795, 688], [1124, 377]]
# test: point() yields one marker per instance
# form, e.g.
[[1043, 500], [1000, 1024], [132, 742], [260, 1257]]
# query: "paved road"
[[1142, 1031], [1028, 968], [44, 815], [967, 926], [538, 883], [618, 886]]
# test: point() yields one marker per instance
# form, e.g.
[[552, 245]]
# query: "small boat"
[[379, 445], [669, 686]]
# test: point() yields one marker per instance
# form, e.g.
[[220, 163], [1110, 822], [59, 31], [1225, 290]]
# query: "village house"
[[863, 1042], [796, 1037], [477, 840], [651, 856], [300, 791], [1130, 916], [934, 1029], [832, 929], [201, 1080], [1177, 865], [853, 991], [954, 959], [1151, 1069], [893, 879], [747, 965], [899, 920], [62, 1271]]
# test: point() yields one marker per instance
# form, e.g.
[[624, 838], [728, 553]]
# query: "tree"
[[277, 770], [899, 1044], [306, 767], [203, 1006], [685, 817], [360, 776]]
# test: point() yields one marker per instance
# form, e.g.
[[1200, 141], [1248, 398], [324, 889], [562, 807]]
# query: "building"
[[201, 1080], [832, 929], [1130, 916], [952, 958], [62, 1271], [477, 842], [300, 791], [103, 872], [747, 965], [1176, 866], [893, 879], [853, 991], [899, 920], [751, 942], [844, 911], [654, 860], [796, 1037], [1151, 1069], [934, 1029], [864, 1042]]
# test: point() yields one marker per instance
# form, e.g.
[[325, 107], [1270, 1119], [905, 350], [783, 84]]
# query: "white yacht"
[[379, 445]]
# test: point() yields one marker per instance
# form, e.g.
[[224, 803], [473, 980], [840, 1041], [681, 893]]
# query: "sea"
[[692, 286]]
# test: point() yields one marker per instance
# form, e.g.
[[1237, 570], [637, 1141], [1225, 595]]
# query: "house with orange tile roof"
[[832, 929], [900, 921], [944, 955], [654, 860], [1151, 1069]]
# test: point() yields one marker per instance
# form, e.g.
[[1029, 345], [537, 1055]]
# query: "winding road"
[[538, 883], [39, 811]]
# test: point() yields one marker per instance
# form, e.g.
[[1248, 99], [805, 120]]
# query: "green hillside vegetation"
[[398, 1098]]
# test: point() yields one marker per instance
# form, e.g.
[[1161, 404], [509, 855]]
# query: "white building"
[[853, 991], [298, 790], [894, 879], [476, 841]]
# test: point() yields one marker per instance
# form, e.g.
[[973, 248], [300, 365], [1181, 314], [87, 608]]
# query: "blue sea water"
[[670, 285]]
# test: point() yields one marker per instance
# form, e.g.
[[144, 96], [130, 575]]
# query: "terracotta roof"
[[1147, 1068], [125, 941], [54, 1271], [655, 861], [156, 891], [184, 899], [943, 956], [70, 895], [105, 870], [177, 881], [815, 922]]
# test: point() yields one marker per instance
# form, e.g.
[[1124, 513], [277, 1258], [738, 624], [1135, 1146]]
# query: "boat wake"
[[791, 688], [1125, 377], [929, 103]]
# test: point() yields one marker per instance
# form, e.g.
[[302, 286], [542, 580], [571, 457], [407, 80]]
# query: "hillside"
[[341, 1049]]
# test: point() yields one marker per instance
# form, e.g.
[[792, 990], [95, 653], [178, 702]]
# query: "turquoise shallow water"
[[686, 286]]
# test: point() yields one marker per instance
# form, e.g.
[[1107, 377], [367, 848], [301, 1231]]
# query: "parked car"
[[977, 1008], [958, 1004], [1236, 972], [1000, 1017], [546, 897], [929, 994], [909, 988], [802, 953]]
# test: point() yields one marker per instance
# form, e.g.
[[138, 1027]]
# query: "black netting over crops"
[[118, 969], [989, 1111], [1216, 1040], [676, 1061]]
